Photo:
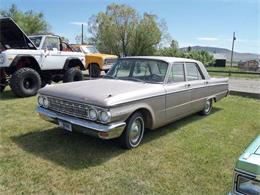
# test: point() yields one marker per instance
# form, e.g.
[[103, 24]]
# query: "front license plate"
[[65, 125]]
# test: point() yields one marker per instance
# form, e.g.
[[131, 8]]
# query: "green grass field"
[[195, 155], [235, 69]]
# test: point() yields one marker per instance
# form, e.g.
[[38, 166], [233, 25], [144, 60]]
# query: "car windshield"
[[36, 40], [89, 49], [141, 70]]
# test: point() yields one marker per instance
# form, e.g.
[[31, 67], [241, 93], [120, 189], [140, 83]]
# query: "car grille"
[[111, 60], [75, 109]]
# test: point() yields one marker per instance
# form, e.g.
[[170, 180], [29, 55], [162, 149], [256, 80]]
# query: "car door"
[[52, 56], [196, 82], [178, 94]]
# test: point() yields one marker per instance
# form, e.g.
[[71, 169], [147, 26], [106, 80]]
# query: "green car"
[[247, 170]]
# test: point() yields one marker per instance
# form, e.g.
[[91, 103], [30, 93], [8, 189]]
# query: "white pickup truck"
[[29, 63]]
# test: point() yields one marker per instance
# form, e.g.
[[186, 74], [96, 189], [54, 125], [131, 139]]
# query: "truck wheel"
[[208, 107], [73, 74], [25, 82], [133, 132], [94, 70], [45, 82], [3, 84]]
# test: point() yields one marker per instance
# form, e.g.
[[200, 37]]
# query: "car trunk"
[[12, 37]]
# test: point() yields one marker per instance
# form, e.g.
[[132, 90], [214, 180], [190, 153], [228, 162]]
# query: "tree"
[[121, 31], [29, 21], [205, 57], [146, 37], [174, 44]]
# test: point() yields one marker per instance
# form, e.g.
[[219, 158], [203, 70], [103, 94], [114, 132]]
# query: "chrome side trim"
[[164, 94], [113, 130]]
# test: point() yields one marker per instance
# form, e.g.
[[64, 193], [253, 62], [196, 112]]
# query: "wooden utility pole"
[[232, 51], [82, 34]]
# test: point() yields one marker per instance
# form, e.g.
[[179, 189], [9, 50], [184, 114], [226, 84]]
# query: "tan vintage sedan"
[[137, 93]]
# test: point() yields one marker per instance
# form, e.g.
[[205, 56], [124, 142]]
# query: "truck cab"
[[29, 63]]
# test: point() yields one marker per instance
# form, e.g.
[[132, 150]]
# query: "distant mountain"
[[225, 53]]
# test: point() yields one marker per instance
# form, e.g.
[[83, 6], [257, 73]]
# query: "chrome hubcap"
[[207, 107], [136, 131]]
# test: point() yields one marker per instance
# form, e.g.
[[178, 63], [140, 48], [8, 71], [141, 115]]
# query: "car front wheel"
[[134, 131]]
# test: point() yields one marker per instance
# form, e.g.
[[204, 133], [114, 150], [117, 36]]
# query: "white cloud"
[[207, 39], [79, 23]]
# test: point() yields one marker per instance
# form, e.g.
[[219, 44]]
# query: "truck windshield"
[[142, 70], [36, 40], [89, 49]]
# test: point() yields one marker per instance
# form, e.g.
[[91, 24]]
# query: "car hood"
[[104, 56], [249, 161], [103, 92], [12, 37]]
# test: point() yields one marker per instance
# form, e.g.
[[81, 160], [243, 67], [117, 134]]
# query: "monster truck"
[[29, 63]]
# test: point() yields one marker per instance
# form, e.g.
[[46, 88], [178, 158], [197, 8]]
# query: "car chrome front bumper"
[[104, 131]]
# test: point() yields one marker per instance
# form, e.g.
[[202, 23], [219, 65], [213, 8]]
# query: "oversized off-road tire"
[[133, 132], [94, 70], [25, 82], [207, 108], [3, 84], [73, 74]]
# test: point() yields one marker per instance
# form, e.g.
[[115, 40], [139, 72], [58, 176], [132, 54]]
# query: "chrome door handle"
[[187, 85]]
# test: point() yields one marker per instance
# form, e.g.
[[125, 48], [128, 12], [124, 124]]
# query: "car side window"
[[193, 72], [176, 73], [51, 42]]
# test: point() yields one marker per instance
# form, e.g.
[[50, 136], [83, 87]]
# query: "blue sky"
[[190, 22]]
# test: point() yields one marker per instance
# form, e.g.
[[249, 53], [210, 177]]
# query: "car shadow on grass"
[[78, 151], [7, 95], [175, 126]]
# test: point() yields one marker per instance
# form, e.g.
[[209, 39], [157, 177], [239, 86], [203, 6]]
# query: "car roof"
[[163, 58], [44, 35]]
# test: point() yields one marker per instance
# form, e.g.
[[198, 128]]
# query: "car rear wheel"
[[94, 70], [25, 82], [207, 108], [73, 74], [134, 131]]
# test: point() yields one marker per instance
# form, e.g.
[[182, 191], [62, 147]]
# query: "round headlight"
[[104, 116], [45, 102], [40, 100], [92, 114]]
